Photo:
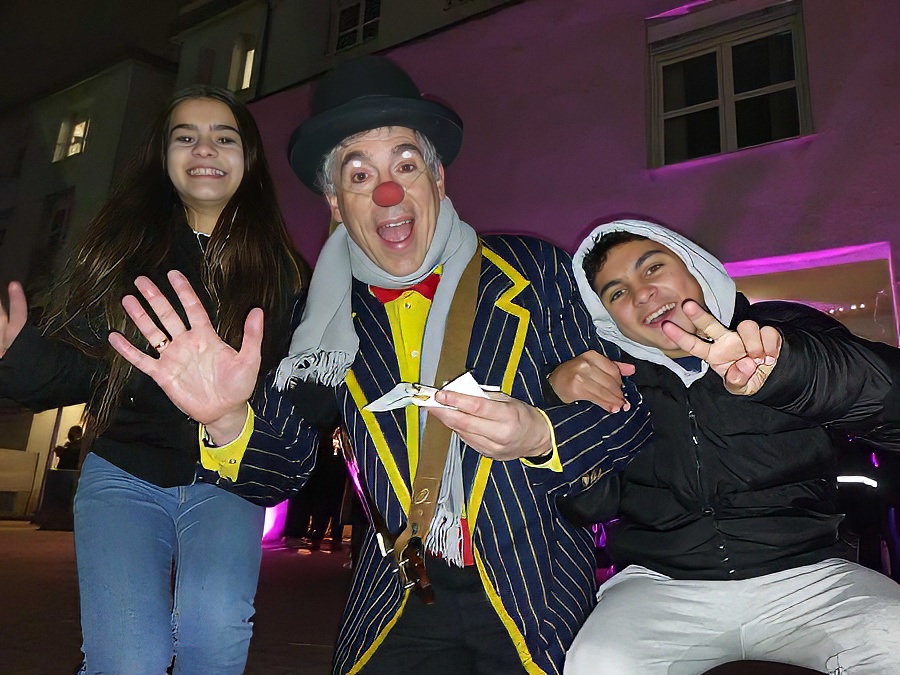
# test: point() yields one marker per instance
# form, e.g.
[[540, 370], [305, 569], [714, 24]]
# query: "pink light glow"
[[801, 261], [874, 459], [771, 147], [274, 525], [686, 8]]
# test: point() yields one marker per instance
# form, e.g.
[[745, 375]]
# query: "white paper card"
[[413, 393]]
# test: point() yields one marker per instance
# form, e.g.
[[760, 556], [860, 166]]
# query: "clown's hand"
[[743, 358], [498, 426]]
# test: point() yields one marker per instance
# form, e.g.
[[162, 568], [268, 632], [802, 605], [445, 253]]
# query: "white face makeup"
[[387, 198], [357, 179]]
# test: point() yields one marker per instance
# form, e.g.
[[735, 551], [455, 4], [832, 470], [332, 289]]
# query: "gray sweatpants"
[[836, 617]]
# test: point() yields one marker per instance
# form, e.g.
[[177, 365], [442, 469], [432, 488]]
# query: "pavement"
[[298, 606]]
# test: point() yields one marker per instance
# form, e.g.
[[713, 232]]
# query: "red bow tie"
[[425, 288]]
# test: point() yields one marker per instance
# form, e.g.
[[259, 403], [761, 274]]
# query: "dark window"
[[728, 87], [690, 82], [357, 23], [763, 62]]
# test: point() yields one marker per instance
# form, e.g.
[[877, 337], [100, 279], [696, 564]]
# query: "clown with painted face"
[[725, 531], [463, 493]]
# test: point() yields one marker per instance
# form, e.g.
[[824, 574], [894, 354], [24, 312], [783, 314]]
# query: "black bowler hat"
[[363, 94]]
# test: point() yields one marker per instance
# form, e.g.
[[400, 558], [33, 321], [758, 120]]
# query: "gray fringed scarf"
[[325, 343]]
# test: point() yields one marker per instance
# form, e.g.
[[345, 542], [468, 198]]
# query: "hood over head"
[[718, 289]]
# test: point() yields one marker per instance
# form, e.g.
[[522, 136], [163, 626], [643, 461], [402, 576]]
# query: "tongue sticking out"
[[396, 233], [388, 194]]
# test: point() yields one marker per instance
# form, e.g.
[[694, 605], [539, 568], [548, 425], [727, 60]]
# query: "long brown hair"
[[249, 261]]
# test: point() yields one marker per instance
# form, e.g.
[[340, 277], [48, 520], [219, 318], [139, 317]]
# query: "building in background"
[[736, 122], [66, 151], [64, 154]]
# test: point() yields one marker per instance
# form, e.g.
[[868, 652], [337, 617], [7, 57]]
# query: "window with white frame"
[[72, 137], [356, 22], [729, 86]]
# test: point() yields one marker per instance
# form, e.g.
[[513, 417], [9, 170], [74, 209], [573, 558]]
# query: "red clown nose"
[[388, 194]]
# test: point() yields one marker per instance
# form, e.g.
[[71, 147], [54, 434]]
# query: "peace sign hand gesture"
[[743, 358]]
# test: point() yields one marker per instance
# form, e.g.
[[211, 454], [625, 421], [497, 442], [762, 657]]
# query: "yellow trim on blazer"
[[505, 302], [381, 446], [518, 639], [477, 494], [376, 643]]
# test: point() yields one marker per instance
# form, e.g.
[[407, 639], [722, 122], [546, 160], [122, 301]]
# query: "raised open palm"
[[200, 373]]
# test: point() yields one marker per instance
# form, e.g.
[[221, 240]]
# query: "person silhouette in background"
[[69, 454]]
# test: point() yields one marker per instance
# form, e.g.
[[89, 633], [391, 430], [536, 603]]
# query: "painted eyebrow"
[[396, 150], [355, 154], [403, 147], [637, 265], [213, 127]]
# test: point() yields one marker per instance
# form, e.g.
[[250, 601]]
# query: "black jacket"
[[733, 486], [147, 435]]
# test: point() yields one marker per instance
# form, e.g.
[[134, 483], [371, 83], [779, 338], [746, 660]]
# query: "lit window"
[[357, 22], [72, 137], [248, 68], [240, 75], [729, 86]]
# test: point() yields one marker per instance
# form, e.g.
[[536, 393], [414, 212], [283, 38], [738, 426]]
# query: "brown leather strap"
[[436, 437]]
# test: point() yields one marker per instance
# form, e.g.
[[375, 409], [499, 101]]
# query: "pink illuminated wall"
[[553, 97]]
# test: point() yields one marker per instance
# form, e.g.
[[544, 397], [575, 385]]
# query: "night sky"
[[48, 45]]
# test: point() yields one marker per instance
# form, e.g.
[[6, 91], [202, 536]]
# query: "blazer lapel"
[[498, 341], [374, 373]]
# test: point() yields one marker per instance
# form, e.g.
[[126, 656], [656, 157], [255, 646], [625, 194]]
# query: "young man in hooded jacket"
[[727, 535]]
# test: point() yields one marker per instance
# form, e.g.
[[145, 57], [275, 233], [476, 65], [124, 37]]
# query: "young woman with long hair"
[[197, 198]]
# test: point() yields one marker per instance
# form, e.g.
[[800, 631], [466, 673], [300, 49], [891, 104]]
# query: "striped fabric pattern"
[[282, 450], [537, 569]]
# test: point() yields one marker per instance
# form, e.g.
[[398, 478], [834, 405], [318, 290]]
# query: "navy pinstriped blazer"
[[537, 569]]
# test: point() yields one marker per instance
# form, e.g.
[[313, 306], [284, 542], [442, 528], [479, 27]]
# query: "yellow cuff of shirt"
[[552, 462], [226, 459]]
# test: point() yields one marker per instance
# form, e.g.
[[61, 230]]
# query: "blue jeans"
[[128, 535]]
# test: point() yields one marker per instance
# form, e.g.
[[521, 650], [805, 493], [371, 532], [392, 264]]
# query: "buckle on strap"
[[411, 568]]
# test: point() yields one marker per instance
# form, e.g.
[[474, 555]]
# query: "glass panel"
[[248, 68], [348, 18], [76, 142], [693, 135], [370, 31], [373, 10], [690, 82], [346, 40], [763, 62], [767, 118]]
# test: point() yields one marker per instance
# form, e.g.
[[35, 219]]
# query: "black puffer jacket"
[[733, 486]]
